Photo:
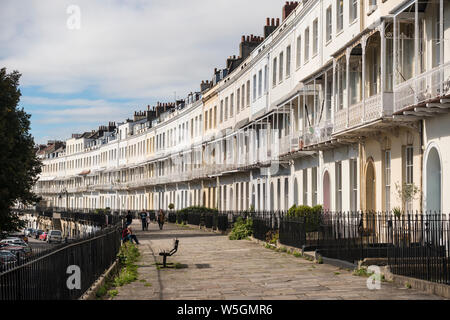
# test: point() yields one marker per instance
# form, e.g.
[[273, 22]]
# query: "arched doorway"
[[326, 192], [433, 182], [370, 187]]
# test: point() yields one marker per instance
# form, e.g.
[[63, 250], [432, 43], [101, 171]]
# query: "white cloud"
[[138, 49], [135, 50]]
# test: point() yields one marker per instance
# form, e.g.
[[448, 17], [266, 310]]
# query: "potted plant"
[[406, 193]]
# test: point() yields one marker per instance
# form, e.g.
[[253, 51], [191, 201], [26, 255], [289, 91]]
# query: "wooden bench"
[[170, 253]]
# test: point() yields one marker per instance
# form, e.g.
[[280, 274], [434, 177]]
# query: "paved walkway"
[[215, 268]]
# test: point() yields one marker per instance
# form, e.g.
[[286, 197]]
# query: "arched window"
[[433, 198]]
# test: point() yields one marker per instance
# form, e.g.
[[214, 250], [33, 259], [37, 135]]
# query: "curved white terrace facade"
[[323, 111]]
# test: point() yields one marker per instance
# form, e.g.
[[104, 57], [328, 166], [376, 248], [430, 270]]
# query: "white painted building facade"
[[345, 104]]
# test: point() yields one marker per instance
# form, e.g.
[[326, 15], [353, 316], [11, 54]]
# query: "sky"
[[85, 63]]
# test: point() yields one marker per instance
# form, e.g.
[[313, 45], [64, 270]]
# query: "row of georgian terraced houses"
[[341, 103]]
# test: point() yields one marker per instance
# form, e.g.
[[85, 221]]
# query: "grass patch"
[[147, 285], [320, 260], [408, 285], [297, 254], [337, 273], [128, 256], [112, 293], [362, 272], [182, 224]]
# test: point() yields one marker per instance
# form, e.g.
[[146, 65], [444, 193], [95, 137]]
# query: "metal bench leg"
[[164, 261]]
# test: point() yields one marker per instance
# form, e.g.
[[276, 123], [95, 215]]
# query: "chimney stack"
[[288, 8], [247, 46]]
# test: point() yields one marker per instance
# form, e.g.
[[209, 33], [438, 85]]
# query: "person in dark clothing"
[[129, 218], [161, 219], [143, 216], [125, 234]]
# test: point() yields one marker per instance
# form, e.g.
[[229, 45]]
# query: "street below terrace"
[[212, 267]]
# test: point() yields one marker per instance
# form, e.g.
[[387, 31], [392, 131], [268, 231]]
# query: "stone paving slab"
[[216, 268]]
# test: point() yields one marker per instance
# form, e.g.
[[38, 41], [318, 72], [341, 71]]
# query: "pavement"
[[212, 267]]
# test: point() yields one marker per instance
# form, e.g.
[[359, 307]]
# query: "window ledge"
[[353, 22], [372, 9]]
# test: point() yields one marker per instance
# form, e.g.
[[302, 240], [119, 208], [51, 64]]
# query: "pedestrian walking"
[[129, 218], [144, 216], [161, 218], [148, 220]]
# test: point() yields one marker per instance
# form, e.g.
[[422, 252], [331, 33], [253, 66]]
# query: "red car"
[[43, 236]]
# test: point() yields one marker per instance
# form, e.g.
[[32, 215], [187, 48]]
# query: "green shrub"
[[198, 209], [273, 237], [291, 211], [103, 290], [312, 216], [242, 229]]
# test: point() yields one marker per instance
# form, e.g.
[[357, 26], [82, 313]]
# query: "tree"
[[19, 166]]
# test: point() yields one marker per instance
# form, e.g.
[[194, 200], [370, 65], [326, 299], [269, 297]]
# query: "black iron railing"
[[416, 245], [64, 273], [216, 221]]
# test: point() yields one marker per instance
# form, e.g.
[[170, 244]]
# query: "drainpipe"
[[362, 11], [362, 188], [421, 133]]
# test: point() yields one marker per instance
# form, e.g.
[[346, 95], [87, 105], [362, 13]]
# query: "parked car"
[[6, 259], [28, 232], [7, 256], [43, 236], [18, 251], [15, 241], [25, 248], [38, 234], [54, 236]]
